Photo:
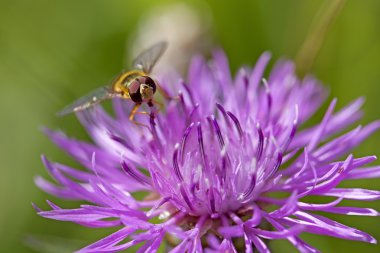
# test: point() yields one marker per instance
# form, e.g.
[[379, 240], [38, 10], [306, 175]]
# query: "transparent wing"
[[90, 99], [148, 58]]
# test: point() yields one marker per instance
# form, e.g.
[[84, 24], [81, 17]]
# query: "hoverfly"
[[135, 85]]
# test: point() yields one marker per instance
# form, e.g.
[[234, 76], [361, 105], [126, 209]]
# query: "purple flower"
[[204, 174]]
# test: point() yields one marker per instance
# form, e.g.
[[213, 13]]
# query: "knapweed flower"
[[225, 166]]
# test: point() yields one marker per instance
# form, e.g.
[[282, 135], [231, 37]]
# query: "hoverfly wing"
[[92, 98], [148, 58]]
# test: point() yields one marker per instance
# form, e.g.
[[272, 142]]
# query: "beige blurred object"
[[186, 29]]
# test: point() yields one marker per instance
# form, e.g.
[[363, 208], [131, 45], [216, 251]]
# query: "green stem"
[[317, 34]]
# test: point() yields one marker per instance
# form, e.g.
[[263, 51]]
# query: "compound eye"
[[134, 86], [134, 91]]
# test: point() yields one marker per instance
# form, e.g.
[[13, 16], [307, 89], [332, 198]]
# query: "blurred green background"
[[54, 51]]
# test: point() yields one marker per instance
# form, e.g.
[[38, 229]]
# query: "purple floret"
[[208, 161]]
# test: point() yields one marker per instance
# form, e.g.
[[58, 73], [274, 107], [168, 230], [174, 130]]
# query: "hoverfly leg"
[[160, 106], [140, 124], [143, 113], [133, 113], [163, 92]]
